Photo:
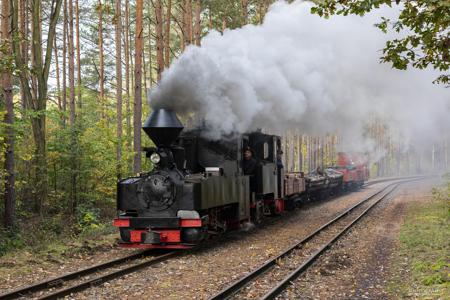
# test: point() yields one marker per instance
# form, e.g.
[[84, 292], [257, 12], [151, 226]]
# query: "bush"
[[88, 218], [10, 240]]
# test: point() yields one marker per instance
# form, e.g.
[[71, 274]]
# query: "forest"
[[81, 70], [75, 82]]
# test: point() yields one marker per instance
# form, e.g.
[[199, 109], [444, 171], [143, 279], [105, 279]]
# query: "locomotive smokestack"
[[163, 127]]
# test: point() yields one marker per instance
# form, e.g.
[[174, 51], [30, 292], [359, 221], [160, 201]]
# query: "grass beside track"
[[54, 251], [421, 266]]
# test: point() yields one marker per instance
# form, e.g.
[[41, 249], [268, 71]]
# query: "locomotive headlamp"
[[155, 158]]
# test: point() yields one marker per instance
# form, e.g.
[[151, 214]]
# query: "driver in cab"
[[249, 166], [249, 163]]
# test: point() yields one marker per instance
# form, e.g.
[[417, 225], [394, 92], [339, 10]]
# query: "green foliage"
[[88, 218], [424, 25], [87, 150], [425, 246], [95, 169], [10, 240]]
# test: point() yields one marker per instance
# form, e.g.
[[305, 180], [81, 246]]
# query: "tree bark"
[[188, 22], [7, 95], [244, 6], [144, 70], [118, 36], [71, 48], [197, 28], [64, 67], [77, 26], [150, 53], [138, 85], [159, 39], [58, 82], [101, 80], [183, 24], [127, 74], [224, 24], [167, 34], [24, 42], [210, 21], [300, 153]]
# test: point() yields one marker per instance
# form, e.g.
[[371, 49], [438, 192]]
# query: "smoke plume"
[[300, 71]]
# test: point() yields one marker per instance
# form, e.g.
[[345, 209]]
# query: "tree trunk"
[[159, 39], [300, 153], [58, 82], [138, 84], [197, 28], [224, 24], [244, 5], [64, 67], [101, 60], [118, 32], [71, 48], [127, 76], [144, 69], [24, 42], [150, 53], [77, 26], [7, 97], [188, 22], [167, 34], [32, 49], [180, 20]]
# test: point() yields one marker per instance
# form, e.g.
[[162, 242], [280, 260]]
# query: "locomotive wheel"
[[125, 234]]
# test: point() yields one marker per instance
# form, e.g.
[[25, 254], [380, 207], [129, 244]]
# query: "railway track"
[[270, 279], [58, 287]]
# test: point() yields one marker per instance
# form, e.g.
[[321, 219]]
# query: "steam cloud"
[[298, 70]]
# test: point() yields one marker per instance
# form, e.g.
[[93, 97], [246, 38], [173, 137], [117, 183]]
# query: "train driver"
[[249, 164]]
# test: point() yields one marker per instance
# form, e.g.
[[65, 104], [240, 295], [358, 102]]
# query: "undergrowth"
[[422, 265], [59, 231]]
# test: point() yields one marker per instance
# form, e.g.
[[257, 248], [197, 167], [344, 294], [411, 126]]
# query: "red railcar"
[[354, 166]]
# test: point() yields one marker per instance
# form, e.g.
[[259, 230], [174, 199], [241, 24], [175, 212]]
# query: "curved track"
[[293, 255]]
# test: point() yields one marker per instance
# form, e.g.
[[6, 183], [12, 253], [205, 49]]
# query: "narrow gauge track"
[[57, 282], [296, 260]]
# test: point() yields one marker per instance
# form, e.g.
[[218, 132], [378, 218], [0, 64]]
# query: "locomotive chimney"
[[163, 127]]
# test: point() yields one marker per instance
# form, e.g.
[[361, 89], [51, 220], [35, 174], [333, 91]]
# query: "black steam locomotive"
[[198, 186]]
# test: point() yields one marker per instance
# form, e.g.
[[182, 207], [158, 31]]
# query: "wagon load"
[[334, 177], [315, 180], [294, 183]]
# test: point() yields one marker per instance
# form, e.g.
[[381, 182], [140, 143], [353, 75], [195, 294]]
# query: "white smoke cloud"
[[300, 71]]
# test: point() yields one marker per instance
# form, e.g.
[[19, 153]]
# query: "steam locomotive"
[[198, 187]]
